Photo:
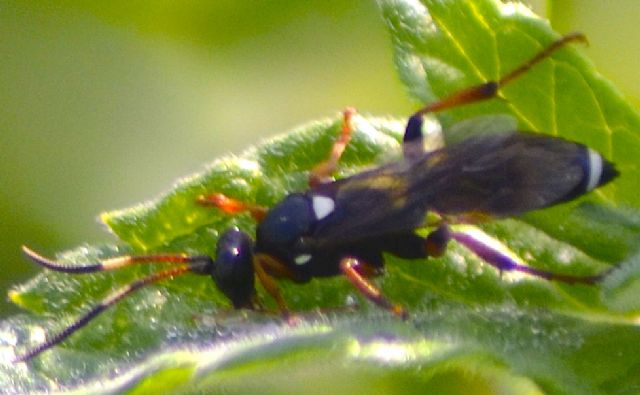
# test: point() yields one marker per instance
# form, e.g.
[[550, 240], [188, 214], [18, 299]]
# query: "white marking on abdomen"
[[595, 169], [322, 206]]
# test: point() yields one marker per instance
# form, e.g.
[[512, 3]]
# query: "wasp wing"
[[495, 175]]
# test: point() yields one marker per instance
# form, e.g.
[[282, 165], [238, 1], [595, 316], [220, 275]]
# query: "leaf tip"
[[16, 297]]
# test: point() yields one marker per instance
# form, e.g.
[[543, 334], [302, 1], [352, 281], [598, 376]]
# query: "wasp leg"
[[265, 264], [412, 141], [232, 206], [490, 89], [492, 252], [353, 270], [436, 242], [322, 172]]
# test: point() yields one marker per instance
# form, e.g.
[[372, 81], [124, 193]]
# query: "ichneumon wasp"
[[343, 227]]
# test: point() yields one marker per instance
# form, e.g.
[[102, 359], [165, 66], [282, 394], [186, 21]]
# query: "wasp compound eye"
[[233, 268]]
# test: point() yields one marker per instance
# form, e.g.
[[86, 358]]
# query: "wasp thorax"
[[285, 222]]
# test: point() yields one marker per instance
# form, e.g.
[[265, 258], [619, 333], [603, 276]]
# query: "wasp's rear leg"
[[495, 254], [356, 272], [322, 173], [412, 141]]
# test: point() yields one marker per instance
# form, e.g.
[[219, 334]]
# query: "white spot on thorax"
[[302, 259], [595, 169], [322, 206]]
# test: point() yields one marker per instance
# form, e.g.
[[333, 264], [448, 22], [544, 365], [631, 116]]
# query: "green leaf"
[[472, 329], [460, 43]]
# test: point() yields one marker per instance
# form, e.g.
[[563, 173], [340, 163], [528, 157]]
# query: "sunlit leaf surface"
[[472, 329]]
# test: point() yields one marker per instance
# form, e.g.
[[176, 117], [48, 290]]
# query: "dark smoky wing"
[[496, 175], [368, 204], [500, 175]]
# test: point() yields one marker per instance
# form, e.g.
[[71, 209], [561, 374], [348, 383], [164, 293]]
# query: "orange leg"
[[490, 89], [265, 264], [413, 140], [353, 269], [322, 172], [232, 206]]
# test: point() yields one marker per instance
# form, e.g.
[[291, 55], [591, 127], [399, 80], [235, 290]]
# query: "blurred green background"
[[104, 104]]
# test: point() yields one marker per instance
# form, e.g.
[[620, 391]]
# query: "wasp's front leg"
[[232, 206], [266, 267]]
